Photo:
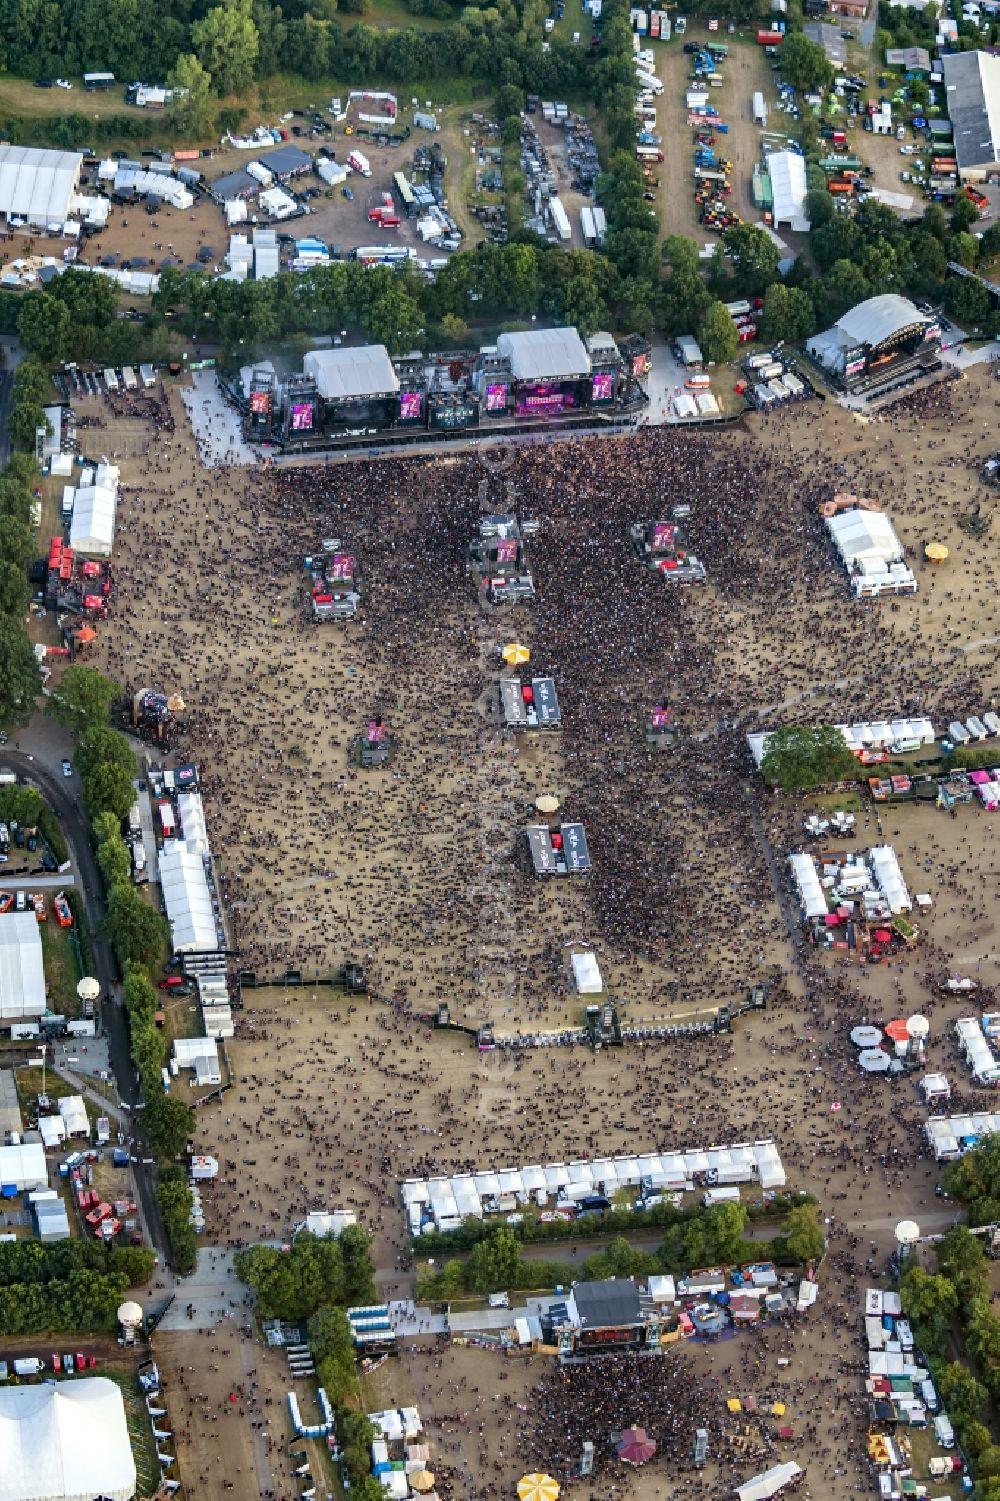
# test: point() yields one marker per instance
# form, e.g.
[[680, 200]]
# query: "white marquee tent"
[[74, 1115], [807, 884], [885, 868], [22, 975], [187, 898], [24, 1167], [787, 170], [37, 185], [92, 530], [65, 1441], [587, 974]]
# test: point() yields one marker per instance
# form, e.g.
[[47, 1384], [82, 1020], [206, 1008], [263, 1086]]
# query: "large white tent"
[[65, 1441], [351, 374], [787, 170], [587, 974], [38, 185], [23, 1167], [187, 897], [92, 530], [22, 975]]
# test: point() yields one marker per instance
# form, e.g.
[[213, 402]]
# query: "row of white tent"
[[885, 873], [976, 1050], [464, 1195], [187, 897], [885, 867], [951, 1135], [876, 734]]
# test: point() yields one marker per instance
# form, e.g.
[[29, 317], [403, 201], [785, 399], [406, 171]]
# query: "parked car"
[[63, 83], [67, 768]]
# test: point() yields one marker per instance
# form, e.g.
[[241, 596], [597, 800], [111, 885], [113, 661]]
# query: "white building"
[[22, 975], [187, 897], [65, 1441], [200, 1054], [871, 552], [37, 186], [92, 529], [972, 86], [787, 170]]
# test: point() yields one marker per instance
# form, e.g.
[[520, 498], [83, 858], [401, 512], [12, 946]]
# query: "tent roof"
[[93, 526], [878, 318], [787, 171], [37, 185], [187, 898], [587, 974], [341, 374], [545, 354], [864, 534], [22, 974], [65, 1441]]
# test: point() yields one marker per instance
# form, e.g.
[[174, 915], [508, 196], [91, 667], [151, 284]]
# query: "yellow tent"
[[537, 1488], [423, 1480], [935, 552], [514, 653], [778, 1409], [734, 1404]]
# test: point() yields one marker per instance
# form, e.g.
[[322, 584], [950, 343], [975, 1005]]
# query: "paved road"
[[74, 826], [213, 1291]]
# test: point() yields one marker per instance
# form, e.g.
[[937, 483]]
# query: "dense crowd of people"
[[420, 869]]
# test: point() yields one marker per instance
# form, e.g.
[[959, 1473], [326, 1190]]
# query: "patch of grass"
[[62, 967], [28, 1082]]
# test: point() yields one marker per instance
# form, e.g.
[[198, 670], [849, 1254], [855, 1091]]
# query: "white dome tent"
[[65, 1441]]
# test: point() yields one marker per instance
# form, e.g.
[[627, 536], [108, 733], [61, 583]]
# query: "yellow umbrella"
[[537, 1488], [778, 1409], [547, 803], [514, 653], [423, 1480], [935, 552], [734, 1404]]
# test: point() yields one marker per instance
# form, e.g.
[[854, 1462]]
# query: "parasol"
[[86, 633], [882, 935], [866, 1037], [537, 1487], [898, 1030], [935, 552], [514, 653], [547, 803], [423, 1480], [175, 704], [874, 1061], [636, 1446], [88, 989]]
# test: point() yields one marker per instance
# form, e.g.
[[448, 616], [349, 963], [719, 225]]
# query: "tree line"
[[695, 1236], [952, 1306], [83, 702], [67, 1286]]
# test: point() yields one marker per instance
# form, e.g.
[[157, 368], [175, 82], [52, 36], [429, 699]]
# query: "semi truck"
[[360, 163]]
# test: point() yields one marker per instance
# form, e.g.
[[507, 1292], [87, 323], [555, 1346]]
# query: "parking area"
[[743, 73]]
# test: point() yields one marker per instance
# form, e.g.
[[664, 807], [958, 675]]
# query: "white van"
[[728, 1195], [943, 1431]]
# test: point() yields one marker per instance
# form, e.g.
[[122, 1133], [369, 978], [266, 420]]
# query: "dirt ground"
[[744, 71], [334, 1103]]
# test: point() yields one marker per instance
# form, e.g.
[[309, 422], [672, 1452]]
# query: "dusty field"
[[417, 869]]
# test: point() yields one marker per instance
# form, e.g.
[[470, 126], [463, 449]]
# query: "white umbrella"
[[88, 989]]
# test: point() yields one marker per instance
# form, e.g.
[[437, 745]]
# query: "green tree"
[[982, 1329], [717, 334], [964, 214], [83, 699], [787, 314], [226, 44], [724, 1225], [108, 769], [820, 208], [45, 327], [803, 1233], [134, 1262], [191, 109], [964, 1397], [17, 545], [14, 590], [138, 933], [359, 1269], [801, 756], [804, 64], [112, 855], [19, 681], [754, 257], [960, 1256], [168, 1123], [494, 1263], [930, 1301], [966, 300]]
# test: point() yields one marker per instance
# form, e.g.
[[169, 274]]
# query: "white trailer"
[[129, 378], [600, 223], [560, 219], [360, 163], [332, 173], [587, 226], [759, 109]]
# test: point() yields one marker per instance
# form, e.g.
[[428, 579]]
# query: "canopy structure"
[[22, 974], [187, 898], [543, 354], [38, 185], [352, 374], [873, 1061], [24, 1167], [866, 1036], [587, 975], [885, 868], [537, 1487], [65, 1441], [92, 529], [807, 883], [193, 827], [74, 1115], [761, 1487], [787, 171]]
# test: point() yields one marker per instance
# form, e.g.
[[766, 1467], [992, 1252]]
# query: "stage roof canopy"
[[879, 318], [545, 354], [349, 374], [65, 1441]]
